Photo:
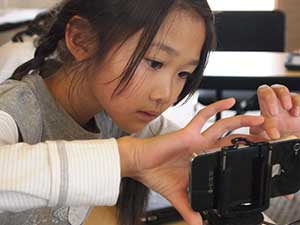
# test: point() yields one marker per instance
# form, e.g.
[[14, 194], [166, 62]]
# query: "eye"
[[184, 75], [154, 64]]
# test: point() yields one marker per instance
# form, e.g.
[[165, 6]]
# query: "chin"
[[133, 128]]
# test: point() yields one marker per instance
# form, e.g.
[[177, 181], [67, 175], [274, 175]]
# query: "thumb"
[[180, 202]]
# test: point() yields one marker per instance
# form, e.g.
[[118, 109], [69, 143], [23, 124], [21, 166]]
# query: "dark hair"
[[114, 21]]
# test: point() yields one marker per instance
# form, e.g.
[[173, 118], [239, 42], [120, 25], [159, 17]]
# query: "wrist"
[[127, 148], [137, 155], [186, 139]]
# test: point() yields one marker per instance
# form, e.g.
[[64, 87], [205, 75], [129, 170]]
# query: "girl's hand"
[[281, 110], [162, 162]]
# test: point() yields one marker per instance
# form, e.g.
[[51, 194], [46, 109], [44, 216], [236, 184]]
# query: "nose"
[[161, 91]]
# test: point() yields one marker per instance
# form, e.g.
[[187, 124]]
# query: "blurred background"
[[291, 9]]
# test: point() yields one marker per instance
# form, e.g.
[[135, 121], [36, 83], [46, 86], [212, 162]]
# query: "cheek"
[[178, 87], [137, 87], [102, 92]]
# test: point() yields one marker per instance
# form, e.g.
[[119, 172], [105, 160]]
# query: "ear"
[[79, 38]]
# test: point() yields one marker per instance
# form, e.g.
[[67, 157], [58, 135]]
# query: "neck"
[[73, 96]]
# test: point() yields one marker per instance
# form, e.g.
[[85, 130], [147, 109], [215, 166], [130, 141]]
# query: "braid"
[[49, 43], [44, 50]]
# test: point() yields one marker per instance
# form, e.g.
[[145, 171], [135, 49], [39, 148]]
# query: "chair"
[[246, 31], [250, 31]]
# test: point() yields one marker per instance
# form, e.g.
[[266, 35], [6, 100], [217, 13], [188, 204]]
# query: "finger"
[[271, 129], [256, 130], [259, 131], [284, 96], [203, 115], [180, 202], [295, 111], [218, 129], [267, 101]]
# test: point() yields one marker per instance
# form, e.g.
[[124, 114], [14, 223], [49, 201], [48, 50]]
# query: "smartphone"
[[240, 179]]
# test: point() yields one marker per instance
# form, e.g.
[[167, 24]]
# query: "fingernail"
[[263, 86], [274, 133]]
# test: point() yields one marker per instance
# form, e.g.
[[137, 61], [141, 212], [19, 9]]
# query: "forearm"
[[59, 173]]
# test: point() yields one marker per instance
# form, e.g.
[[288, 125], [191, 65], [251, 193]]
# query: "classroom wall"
[[292, 11]]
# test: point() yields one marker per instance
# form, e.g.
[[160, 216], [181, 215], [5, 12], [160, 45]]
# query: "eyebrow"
[[171, 51]]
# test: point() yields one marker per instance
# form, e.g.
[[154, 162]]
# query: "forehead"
[[183, 30]]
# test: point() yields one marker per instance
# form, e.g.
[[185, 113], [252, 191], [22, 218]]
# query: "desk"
[[107, 216], [248, 70]]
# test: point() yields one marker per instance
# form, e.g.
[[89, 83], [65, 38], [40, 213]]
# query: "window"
[[220, 5]]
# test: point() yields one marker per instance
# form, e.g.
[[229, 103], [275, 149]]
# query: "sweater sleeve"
[[56, 173]]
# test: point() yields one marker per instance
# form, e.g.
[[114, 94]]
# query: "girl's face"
[[160, 77]]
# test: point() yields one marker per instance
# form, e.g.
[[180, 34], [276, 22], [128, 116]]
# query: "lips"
[[147, 115], [151, 113]]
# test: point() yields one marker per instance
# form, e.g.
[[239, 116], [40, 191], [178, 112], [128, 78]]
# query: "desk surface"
[[248, 70], [107, 216]]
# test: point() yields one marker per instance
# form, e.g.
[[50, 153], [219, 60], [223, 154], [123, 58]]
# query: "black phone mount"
[[229, 213], [287, 181]]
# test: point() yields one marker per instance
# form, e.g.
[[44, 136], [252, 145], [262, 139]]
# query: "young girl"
[[122, 64]]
